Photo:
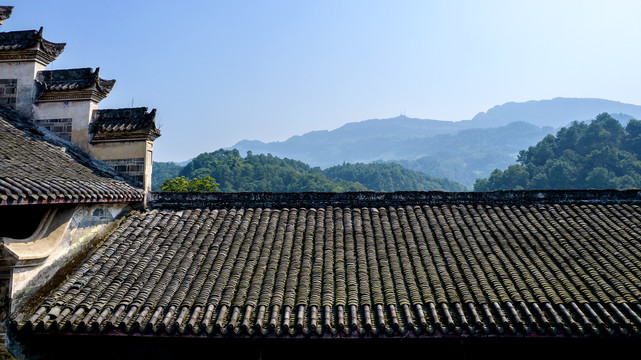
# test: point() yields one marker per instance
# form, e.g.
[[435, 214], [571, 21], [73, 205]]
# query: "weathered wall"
[[25, 72], [149, 164], [78, 111], [134, 158], [87, 223], [119, 150]]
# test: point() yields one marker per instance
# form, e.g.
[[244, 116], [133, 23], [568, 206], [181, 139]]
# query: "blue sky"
[[222, 71]]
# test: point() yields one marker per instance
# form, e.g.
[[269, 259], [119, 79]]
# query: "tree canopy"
[[163, 171], [601, 154], [270, 173], [381, 176], [262, 173], [204, 184]]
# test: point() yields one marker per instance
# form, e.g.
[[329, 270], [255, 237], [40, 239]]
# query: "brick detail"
[[133, 167], [59, 127], [8, 90]]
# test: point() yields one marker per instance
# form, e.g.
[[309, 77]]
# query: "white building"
[[66, 103]]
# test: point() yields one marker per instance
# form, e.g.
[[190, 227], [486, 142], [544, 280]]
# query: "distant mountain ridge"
[[368, 131], [557, 112], [365, 141], [461, 150]]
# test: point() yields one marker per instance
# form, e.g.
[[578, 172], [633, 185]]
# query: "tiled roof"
[[457, 265], [27, 39], [38, 167], [5, 13], [74, 79], [124, 122]]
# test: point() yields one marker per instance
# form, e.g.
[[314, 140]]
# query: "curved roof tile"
[[125, 122], [26, 39], [36, 167], [424, 269], [74, 79]]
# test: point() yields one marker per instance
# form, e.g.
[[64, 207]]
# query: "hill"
[[162, 171], [601, 154], [557, 112], [390, 177], [365, 141], [270, 173], [474, 153], [261, 173], [452, 149]]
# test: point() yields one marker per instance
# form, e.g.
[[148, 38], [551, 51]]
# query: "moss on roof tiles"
[[38, 167], [459, 269]]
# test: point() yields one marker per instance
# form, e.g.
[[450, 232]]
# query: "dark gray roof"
[[27, 39], [5, 13], [74, 79], [38, 167], [123, 123], [459, 265]]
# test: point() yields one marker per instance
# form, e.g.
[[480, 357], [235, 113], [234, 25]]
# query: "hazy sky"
[[222, 71]]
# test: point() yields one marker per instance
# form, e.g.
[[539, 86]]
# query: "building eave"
[[29, 46], [88, 94], [107, 137], [37, 55], [57, 201]]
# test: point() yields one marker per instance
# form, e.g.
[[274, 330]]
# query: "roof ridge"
[[191, 200], [25, 39]]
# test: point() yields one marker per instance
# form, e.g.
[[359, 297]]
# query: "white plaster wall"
[[78, 111], [25, 72], [116, 150], [149, 164], [87, 223]]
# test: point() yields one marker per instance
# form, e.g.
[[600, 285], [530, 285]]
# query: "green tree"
[[600, 178], [384, 176], [600, 154], [260, 172], [180, 184], [163, 171]]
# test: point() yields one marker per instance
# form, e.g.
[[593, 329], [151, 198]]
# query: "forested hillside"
[[269, 173], [390, 177], [262, 173], [600, 154], [462, 151], [163, 171], [474, 153]]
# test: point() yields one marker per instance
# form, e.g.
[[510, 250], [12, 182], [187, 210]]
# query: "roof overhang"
[[50, 201], [117, 136], [89, 94], [35, 54]]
